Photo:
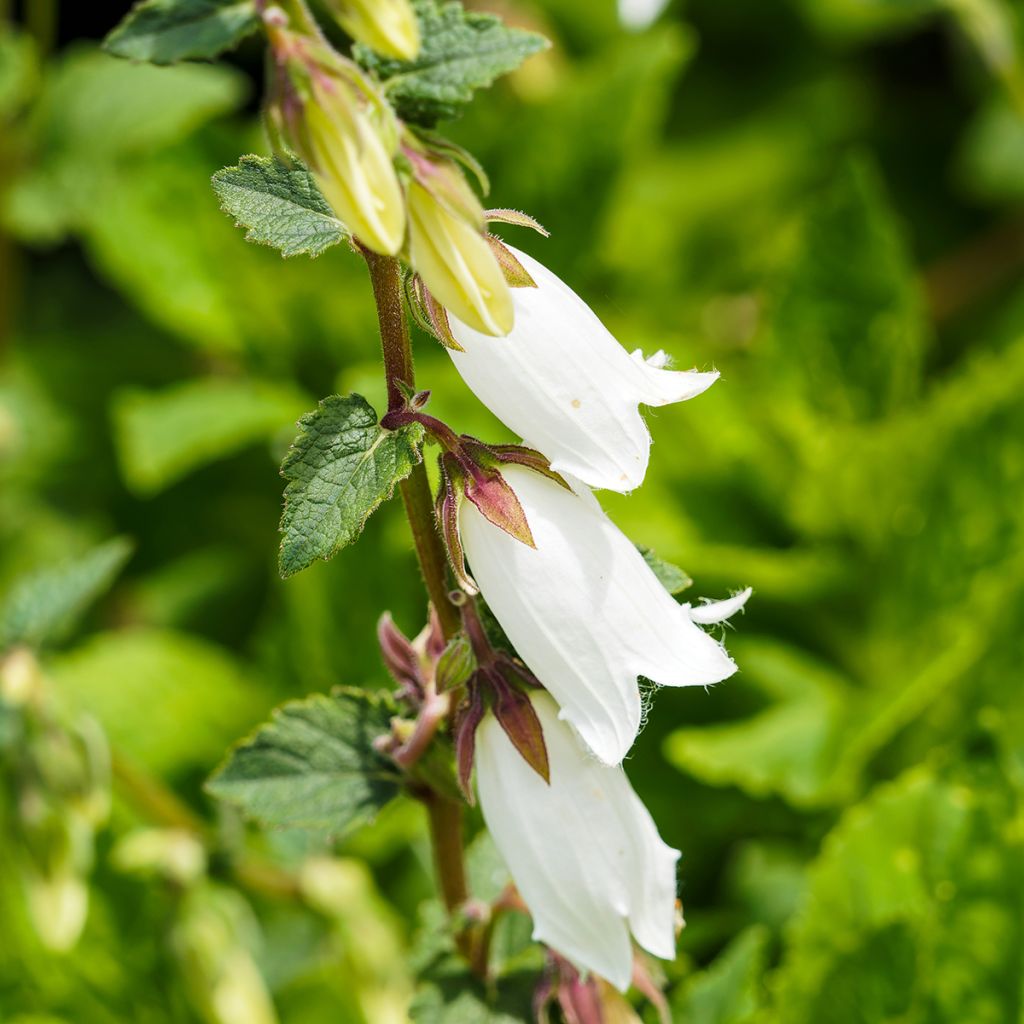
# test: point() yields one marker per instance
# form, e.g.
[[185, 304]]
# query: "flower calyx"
[[498, 684]]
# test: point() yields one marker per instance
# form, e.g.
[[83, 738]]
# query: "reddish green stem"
[[445, 815]]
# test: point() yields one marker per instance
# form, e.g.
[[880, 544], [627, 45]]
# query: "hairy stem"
[[445, 815], [396, 345]]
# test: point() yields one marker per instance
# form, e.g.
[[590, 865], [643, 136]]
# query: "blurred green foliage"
[[820, 198]]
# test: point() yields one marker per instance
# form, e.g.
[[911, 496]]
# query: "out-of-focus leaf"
[[314, 765], [812, 744], [991, 160], [165, 31], [912, 911], [96, 110], [45, 605], [18, 70], [849, 324], [730, 990], [451, 995], [462, 51], [148, 687], [162, 436], [670, 576], [341, 467], [280, 206]]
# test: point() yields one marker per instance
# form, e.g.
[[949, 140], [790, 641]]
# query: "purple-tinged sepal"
[[516, 275], [516, 715], [488, 490], [498, 455], [429, 313], [400, 658], [467, 718], [449, 498]]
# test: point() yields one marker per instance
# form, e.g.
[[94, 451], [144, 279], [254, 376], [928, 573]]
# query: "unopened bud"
[[455, 665], [400, 657], [387, 26], [351, 161], [327, 110], [449, 248]]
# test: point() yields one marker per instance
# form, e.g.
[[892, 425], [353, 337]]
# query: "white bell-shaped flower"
[[585, 612], [583, 850], [562, 382]]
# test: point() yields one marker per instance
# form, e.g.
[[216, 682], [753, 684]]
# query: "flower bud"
[[329, 112], [387, 26], [449, 249]]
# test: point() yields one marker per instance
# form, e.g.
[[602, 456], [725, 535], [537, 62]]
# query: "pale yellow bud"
[[387, 26], [351, 160], [457, 264]]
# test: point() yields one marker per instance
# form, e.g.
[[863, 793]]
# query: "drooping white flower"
[[566, 386], [583, 851], [585, 612]]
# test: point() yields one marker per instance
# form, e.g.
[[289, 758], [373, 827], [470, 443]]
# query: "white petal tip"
[[718, 611]]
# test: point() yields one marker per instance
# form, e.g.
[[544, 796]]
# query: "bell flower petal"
[[583, 850], [564, 384], [585, 612], [712, 612]]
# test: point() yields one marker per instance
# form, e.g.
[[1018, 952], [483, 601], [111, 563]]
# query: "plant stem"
[[396, 344], [444, 815]]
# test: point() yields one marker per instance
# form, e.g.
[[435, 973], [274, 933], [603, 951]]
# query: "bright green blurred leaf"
[[670, 576], [850, 319], [730, 990], [151, 688], [162, 436], [46, 605], [912, 911], [314, 765]]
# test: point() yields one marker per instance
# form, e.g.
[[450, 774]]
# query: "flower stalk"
[[444, 815]]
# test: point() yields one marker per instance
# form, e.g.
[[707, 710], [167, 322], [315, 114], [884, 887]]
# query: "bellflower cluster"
[[545, 722], [586, 614]]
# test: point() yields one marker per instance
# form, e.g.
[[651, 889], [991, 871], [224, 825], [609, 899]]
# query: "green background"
[[822, 199]]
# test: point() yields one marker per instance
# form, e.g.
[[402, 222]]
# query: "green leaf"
[[168, 701], [165, 31], [449, 994], [670, 576], [729, 991], [341, 467], [313, 766], [162, 436], [19, 70], [850, 317], [45, 605], [93, 113], [912, 910], [462, 51], [280, 206]]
